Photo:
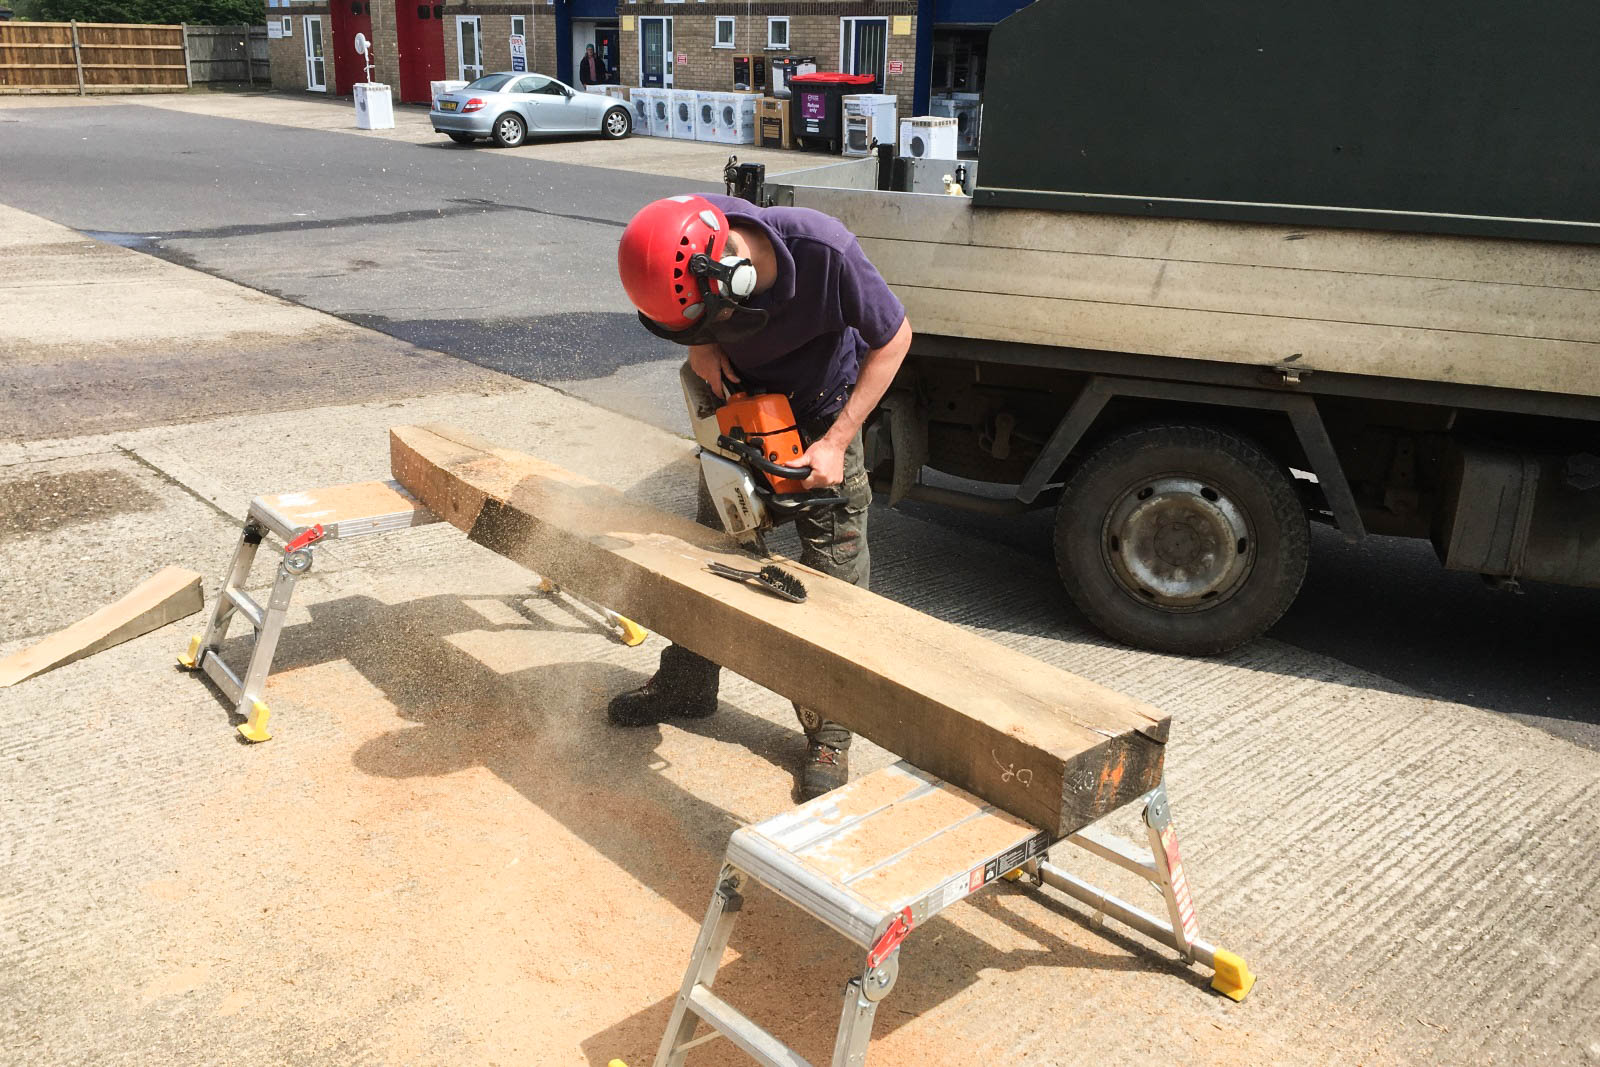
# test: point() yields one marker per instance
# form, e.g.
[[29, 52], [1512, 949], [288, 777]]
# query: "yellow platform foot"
[[255, 729], [191, 659], [1232, 978], [631, 633]]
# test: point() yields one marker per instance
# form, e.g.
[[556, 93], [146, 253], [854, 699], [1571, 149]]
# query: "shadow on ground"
[[541, 729]]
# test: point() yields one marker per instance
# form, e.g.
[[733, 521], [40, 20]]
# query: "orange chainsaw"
[[747, 447]]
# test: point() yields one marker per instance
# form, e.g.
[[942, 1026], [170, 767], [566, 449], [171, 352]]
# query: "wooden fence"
[[91, 57], [228, 54]]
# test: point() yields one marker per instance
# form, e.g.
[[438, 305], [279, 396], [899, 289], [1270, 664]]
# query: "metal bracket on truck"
[[1302, 412]]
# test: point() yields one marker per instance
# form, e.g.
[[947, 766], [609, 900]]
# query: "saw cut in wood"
[[1045, 745]]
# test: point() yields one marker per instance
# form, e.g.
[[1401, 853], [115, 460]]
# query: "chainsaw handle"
[[758, 460], [797, 502]]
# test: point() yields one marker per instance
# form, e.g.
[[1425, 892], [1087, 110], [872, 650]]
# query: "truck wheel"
[[1185, 539]]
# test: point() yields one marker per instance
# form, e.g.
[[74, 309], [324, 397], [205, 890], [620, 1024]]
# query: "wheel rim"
[[616, 125], [1178, 543], [510, 130]]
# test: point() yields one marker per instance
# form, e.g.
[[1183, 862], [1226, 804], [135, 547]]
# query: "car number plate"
[[447, 105]]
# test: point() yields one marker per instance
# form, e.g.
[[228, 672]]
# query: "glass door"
[[469, 48], [316, 62], [864, 48], [655, 52]]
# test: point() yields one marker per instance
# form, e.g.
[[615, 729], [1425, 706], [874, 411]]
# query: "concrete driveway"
[[445, 856]]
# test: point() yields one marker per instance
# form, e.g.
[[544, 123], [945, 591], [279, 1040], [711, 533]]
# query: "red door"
[[350, 17], [419, 31]]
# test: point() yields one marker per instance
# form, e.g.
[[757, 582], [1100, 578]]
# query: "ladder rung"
[[212, 663], [742, 1031], [1124, 854], [247, 606]]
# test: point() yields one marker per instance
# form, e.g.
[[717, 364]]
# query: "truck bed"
[[1496, 313]]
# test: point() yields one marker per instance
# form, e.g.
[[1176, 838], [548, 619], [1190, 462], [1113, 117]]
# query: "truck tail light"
[[475, 104]]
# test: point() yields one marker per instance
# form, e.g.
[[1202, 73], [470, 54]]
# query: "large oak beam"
[[1045, 745]]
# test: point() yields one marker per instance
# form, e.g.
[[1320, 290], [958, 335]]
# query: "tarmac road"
[[506, 260]]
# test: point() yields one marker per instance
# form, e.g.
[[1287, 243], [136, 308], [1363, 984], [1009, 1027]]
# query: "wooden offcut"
[[167, 596], [1049, 747]]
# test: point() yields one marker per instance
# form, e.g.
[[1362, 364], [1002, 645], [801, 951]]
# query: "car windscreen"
[[492, 83]]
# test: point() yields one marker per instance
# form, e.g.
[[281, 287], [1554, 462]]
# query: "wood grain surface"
[[1047, 746]]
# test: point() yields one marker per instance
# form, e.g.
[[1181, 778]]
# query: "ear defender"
[[741, 276]]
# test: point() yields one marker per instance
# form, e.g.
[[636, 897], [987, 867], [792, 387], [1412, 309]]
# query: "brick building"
[[918, 49]]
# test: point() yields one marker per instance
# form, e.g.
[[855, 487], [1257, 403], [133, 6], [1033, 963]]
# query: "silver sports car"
[[510, 107]]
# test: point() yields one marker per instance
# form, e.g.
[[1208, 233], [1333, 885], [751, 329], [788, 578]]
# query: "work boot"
[[683, 687], [826, 769]]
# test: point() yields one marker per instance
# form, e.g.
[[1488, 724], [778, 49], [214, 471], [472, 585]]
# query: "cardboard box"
[[772, 123]]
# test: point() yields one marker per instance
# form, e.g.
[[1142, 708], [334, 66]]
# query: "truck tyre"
[[1181, 538]]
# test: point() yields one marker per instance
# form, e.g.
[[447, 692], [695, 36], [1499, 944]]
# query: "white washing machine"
[[868, 117], [967, 110], [682, 104], [661, 124], [928, 137], [643, 105], [707, 115], [736, 118]]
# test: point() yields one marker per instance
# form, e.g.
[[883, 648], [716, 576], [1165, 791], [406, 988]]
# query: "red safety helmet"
[[673, 263]]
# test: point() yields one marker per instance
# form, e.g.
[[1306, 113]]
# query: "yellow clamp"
[[632, 633], [1232, 978], [191, 659], [255, 728]]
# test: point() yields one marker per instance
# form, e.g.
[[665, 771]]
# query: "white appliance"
[[682, 105], [643, 107], [707, 114], [967, 110], [736, 122], [661, 124], [438, 89], [783, 70], [928, 137], [868, 117], [374, 107], [616, 92]]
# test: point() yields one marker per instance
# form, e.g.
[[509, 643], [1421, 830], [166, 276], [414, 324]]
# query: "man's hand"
[[826, 460], [712, 365]]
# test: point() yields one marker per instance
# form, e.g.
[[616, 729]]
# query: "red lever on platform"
[[307, 537], [891, 938]]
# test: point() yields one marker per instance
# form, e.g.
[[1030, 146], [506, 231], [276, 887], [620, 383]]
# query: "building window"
[[724, 37], [288, 25], [519, 26], [778, 32]]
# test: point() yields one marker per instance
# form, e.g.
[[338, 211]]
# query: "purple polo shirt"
[[828, 308]]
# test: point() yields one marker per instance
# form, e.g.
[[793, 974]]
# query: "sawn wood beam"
[[1045, 745]]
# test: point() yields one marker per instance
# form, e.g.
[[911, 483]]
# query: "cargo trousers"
[[832, 540]]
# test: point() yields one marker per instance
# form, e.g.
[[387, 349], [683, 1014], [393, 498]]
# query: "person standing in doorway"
[[591, 69]]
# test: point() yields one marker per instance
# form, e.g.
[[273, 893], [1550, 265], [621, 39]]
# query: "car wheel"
[[462, 138], [509, 131], [617, 124], [1181, 538]]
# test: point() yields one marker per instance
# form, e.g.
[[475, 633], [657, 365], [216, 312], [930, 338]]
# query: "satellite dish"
[[361, 44]]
